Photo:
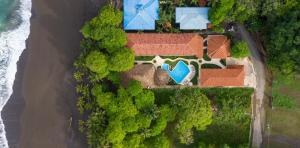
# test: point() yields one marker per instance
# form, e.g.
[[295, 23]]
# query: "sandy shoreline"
[[39, 111]]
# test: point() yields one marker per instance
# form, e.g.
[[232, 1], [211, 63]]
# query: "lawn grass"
[[285, 120], [231, 121]]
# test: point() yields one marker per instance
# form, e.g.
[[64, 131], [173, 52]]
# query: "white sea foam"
[[12, 44]]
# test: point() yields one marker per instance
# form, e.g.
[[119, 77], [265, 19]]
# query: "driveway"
[[259, 68]]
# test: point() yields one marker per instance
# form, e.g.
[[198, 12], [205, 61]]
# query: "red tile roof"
[[232, 76], [218, 46], [166, 44]]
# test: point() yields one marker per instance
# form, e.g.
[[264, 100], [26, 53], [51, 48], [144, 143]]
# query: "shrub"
[[240, 50]]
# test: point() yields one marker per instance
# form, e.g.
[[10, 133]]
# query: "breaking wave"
[[12, 44]]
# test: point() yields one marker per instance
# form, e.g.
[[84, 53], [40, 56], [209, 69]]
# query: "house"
[[166, 44], [192, 18], [140, 14], [231, 76], [218, 46]]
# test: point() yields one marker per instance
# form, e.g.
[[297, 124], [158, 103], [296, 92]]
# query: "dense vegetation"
[[231, 116]]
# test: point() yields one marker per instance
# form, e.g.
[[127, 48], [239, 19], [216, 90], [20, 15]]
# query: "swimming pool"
[[179, 72]]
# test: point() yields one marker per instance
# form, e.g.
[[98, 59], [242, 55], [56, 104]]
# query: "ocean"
[[14, 30]]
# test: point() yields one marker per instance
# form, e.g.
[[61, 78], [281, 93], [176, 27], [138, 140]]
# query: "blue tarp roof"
[[140, 14], [191, 18]]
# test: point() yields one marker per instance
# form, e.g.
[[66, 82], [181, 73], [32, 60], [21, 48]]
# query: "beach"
[[41, 112]]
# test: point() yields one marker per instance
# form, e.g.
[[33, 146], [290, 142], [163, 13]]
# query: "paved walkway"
[[260, 86], [158, 61]]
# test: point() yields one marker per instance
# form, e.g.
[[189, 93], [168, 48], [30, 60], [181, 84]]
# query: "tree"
[[282, 42], [220, 10], [165, 115], [132, 141], [144, 99], [240, 50], [160, 141], [115, 133], [114, 40], [95, 130], [134, 88], [105, 28], [108, 17], [97, 62], [243, 10], [193, 111], [122, 60]]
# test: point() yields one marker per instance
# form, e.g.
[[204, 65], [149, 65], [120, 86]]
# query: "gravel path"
[[260, 86]]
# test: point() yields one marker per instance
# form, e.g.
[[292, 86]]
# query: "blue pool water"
[[179, 72]]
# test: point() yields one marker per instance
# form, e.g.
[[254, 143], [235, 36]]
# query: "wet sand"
[[42, 112]]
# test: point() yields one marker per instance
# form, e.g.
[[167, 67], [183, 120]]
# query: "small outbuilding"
[[140, 14], [192, 18], [233, 75]]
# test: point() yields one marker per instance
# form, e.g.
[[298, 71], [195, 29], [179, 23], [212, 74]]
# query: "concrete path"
[[259, 68]]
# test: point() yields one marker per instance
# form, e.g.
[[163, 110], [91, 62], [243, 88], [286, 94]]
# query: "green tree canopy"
[[144, 99], [220, 10], [193, 111], [122, 60], [283, 42], [240, 50], [160, 141], [105, 28], [134, 87], [97, 62]]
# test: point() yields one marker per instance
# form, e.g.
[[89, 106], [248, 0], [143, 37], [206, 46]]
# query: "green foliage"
[[105, 28], [78, 76], [220, 10], [132, 141], [114, 77], [240, 50], [243, 10], [134, 88], [114, 39], [96, 130], [231, 121], [131, 116], [160, 141], [283, 42], [143, 120], [130, 125], [194, 111], [115, 133], [284, 101], [279, 8], [110, 16], [166, 114], [218, 28], [122, 60], [97, 62], [144, 99]]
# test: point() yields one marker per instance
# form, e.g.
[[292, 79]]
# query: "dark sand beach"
[[42, 112]]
